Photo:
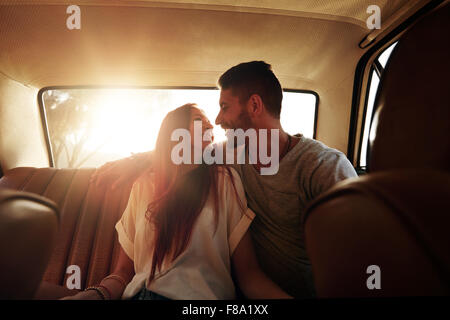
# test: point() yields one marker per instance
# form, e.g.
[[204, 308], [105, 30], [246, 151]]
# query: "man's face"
[[233, 114]]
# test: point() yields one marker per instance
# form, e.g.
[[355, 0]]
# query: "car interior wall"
[[333, 119], [174, 57], [22, 141]]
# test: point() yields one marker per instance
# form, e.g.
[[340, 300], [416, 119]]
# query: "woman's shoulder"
[[227, 173], [230, 182], [144, 183]]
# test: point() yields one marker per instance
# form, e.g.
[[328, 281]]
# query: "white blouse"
[[203, 270]]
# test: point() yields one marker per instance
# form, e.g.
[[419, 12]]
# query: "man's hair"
[[255, 77]]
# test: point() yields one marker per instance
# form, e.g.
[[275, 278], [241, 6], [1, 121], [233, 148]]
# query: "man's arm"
[[253, 282], [124, 171], [332, 168]]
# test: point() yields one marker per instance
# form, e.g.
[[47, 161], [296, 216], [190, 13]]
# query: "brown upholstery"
[[384, 219], [412, 122], [88, 214], [396, 217], [28, 227]]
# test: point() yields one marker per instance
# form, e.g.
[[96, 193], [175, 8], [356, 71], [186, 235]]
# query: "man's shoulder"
[[315, 155], [316, 149]]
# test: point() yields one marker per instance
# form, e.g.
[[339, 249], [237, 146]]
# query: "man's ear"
[[255, 105]]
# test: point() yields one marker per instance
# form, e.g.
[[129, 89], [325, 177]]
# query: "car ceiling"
[[311, 44]]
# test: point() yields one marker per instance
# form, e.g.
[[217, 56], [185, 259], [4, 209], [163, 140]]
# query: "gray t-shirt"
[[280, 200]]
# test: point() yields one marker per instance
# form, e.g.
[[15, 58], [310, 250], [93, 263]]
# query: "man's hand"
[[122, 172]]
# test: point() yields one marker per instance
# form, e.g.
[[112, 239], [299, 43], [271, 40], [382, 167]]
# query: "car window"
[[384, 56], [374, 81], [89, 127]]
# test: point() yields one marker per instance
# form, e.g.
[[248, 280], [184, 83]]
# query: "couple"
[[187, 227]]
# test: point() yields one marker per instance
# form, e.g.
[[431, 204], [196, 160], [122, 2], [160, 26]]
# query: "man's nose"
[[219, 118]]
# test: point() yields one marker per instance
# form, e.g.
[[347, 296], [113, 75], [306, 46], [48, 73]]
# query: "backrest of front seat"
[[88, 214], [396, 217], [28, 228], [385, 220]]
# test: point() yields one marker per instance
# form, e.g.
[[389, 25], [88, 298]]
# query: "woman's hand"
[[113, 285], [85, 295]]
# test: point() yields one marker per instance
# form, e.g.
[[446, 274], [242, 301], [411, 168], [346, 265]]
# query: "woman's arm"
[[112, 285], [124, 270], [251, 279]]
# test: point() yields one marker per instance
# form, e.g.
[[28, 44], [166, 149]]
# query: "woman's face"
[[206, 127]]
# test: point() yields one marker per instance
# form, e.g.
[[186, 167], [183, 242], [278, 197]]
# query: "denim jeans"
[[145, 294]]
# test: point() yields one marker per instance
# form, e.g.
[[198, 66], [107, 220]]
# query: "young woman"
[[184, 230]]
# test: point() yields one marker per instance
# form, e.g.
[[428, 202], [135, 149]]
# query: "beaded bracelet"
[[98, 290], [108, 295]]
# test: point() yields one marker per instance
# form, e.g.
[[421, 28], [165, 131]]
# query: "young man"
[[251, 98]]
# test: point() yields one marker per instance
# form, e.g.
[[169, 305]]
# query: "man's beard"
[[244, 123]]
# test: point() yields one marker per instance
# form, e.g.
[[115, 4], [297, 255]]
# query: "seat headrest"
[[411, 126]]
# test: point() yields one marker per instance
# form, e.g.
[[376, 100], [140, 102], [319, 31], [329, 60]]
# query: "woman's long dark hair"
[[178, 198]]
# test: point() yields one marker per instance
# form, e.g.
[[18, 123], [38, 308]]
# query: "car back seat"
[[88, 214]]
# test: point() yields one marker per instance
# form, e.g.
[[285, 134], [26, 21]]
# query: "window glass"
[[88, 127], [384, 57], [373, 87], [375, 81]]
